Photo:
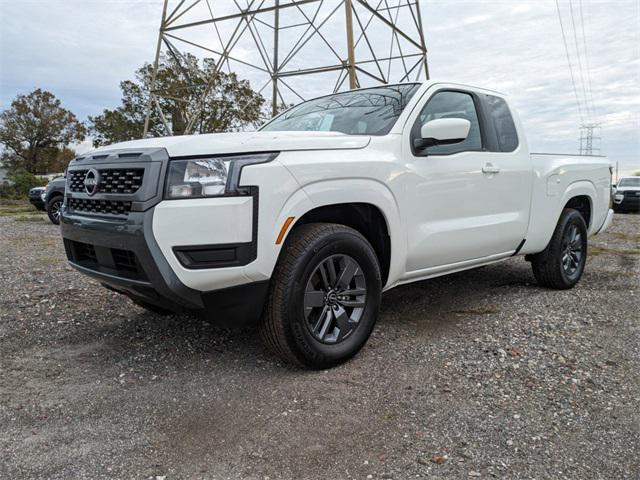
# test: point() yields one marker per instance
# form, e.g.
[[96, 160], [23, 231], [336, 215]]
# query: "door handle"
[[490, 168]]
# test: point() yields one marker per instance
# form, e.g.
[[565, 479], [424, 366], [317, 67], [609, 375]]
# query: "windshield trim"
[[346, 91]]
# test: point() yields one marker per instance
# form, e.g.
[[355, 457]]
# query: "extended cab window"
[[450, 105], [368, 111], [506, 132]]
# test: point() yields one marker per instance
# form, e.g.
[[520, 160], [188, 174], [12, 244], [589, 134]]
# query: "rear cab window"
[[504, 127]]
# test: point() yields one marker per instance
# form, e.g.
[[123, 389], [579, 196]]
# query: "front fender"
[[341, 191]]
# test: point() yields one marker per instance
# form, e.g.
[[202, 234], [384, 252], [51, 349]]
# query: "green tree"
[[180, 87], [35, 131]]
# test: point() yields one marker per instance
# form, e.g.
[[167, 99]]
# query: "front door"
[[468, 200]]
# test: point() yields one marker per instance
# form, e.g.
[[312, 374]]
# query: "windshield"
[[370, 111], [629, 182]]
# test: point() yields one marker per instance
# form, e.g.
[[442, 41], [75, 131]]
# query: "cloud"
[[475, 19], [82, 49]]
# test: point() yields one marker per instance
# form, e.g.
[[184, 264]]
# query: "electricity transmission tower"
[[300, 48], [590, 139]]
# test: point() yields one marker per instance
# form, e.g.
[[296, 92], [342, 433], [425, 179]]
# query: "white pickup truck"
[[303, 224]]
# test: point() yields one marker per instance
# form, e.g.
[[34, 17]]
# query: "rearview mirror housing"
[[443, 131]]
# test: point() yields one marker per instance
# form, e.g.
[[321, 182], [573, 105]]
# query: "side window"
[[506, 132], [450, 105]]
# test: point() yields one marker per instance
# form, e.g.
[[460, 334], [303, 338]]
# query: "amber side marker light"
[[285, 226]]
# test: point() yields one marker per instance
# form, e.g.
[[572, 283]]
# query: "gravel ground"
[[479, 374]]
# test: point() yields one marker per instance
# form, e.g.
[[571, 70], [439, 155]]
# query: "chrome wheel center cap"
[[332, 298]]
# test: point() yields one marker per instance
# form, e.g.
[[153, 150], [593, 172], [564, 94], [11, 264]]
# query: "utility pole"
[[351, 54], [274, 75], [422, 42], [155, 69]]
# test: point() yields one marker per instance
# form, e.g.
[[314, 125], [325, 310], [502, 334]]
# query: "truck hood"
[[224, 143]]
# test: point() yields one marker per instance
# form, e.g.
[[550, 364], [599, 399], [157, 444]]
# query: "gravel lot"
[[480, 374]]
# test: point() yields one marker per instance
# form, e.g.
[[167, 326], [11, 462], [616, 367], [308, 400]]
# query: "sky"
[[81, 49]]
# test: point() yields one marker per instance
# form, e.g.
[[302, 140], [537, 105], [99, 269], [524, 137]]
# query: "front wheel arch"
[[366, 218]]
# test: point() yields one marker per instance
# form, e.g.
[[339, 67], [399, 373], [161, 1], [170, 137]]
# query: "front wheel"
[[324, 298], [54, 209], [561, 264]]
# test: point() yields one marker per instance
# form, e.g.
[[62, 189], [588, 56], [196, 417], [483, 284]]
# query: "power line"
[[580, 66], [586, 56], [566, 49]]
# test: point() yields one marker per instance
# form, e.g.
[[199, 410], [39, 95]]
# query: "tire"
[[53, 209], [561, 264], [324, 296]]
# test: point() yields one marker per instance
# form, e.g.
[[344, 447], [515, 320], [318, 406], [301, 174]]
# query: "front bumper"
[[37, 202], [119, 245], [125, 257], [629, 203]]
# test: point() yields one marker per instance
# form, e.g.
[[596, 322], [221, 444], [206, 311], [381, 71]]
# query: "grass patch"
[[631, 237], [4, 213], [52, 260], [9, 201], [29, 218], [15, 207], [595, 251]]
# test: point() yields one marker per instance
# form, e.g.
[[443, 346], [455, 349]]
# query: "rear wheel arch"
[[584, 205]]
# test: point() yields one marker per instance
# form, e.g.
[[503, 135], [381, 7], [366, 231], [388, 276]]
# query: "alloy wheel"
[[56, 210], [334, 299], [572, 250]]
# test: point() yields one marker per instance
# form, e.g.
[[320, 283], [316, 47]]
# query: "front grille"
[[106, 207], [113, 261], [124, 260], [85, 252], [76, 180], [112, 180]]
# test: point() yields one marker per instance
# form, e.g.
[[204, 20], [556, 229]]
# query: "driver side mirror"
[[443, 131]]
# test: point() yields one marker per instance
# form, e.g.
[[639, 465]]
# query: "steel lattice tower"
[[299, 48], [589, 141]]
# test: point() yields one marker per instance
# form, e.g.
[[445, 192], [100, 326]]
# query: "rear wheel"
[[54, 209], [561, 264], [324, 297]]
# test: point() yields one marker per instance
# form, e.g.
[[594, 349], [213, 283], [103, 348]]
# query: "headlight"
[[618, 197], [209, 177]]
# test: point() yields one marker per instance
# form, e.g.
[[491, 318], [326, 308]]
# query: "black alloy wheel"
[[562, 263], [324, 296], [572, 250], [335, 298], [54, 209]]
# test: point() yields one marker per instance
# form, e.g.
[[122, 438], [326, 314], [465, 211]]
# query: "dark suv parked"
[[626, 197], [35, 198], [53, 198]]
